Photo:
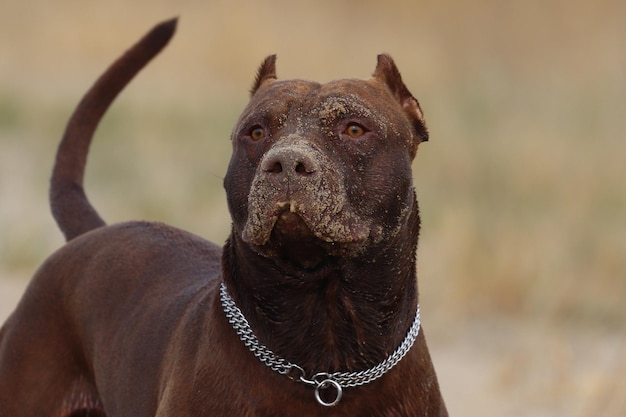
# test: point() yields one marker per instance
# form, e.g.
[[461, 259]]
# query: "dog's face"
[[322, 170]]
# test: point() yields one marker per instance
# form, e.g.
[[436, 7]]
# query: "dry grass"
[[522, 186]]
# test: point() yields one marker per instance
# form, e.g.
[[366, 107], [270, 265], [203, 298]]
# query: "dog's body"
[[126, 320]]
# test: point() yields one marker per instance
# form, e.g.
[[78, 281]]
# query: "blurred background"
[[522, 259]]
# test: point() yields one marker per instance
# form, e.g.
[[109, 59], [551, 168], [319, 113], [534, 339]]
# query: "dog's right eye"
[[257, 133], [355, 130]]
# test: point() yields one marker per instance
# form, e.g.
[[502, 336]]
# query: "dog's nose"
[[289, 163]]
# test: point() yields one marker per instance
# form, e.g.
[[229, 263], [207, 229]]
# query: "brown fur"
[[125, 320]]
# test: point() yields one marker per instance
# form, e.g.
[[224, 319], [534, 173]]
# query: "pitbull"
[[309, 309]]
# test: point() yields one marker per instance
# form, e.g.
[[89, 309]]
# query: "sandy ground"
[[508, 367]]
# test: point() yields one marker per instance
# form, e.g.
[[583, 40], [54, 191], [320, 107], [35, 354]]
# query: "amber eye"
[[355, 130], [257, 133]]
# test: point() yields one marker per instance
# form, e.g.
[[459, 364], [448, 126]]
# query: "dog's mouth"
[[290, 223], [320, 219], [294, 242], [293, 238]]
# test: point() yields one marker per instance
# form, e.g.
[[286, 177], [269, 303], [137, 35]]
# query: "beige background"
[[522, 259]]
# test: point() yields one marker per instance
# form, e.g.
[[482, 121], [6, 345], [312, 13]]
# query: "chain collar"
[[321, 380]]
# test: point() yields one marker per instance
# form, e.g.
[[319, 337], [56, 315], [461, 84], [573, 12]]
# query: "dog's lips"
[[293, 241], [296, 222]]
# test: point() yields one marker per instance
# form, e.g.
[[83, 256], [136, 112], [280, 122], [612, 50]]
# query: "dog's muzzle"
[[295, 177]]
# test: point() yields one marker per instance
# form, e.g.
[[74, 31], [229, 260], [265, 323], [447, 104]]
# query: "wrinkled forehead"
[[332, 100], [286, 91]]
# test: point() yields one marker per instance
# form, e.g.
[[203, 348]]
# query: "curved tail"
[[70, 207]]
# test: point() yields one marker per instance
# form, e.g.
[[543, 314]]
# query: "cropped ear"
[[387, 72], [266, 72]]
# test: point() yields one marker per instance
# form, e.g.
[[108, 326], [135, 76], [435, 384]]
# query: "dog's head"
[[323, 170]]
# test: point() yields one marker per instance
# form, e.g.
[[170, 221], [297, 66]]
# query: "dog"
[[309, 309]]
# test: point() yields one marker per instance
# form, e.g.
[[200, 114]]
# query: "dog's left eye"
[[257, 133], [355, 130]]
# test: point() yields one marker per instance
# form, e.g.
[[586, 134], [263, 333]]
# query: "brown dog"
[[310, 309]]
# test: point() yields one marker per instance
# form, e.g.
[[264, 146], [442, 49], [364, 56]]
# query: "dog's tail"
[[70, 207]]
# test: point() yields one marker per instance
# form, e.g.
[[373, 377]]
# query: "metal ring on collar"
[[326, 384]]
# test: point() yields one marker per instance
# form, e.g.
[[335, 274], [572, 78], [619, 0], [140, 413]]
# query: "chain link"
[[297, 373]]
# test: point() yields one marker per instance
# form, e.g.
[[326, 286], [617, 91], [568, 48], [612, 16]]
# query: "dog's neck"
[[347, 316]]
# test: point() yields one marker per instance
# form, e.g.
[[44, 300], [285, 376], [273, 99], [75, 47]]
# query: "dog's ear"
[[387, 72], [266, 72]]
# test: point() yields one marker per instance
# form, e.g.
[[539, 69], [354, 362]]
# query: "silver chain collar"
[[321, 380]]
